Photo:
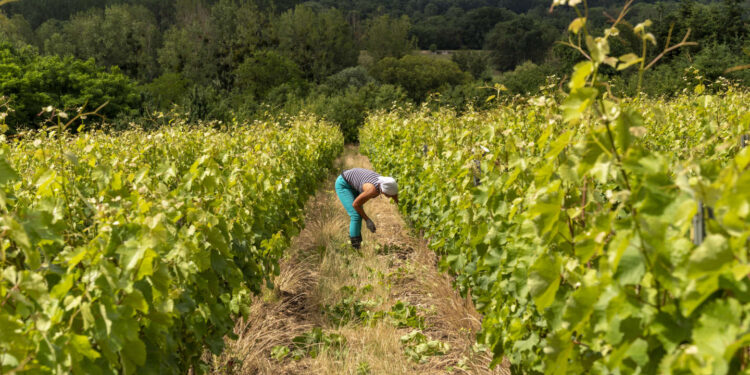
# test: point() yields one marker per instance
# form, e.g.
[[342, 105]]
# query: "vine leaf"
[[544, 280]]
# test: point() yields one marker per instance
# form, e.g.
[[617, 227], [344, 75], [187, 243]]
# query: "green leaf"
[[80, 345], [631, 268], [699, 89], [627, 120], [579, 306], [671, 329], [62, 288], [559, 144], [577, 103], [135, 351], [7, 174], [598, 48], [641, 27], [544, 280], [711, 257], [638, 352], [18, 234], [577, 24], [697, 291], [558, 352], [581, 73], [131, 254], [279, 352], [716, 331], [136, 300], [628, 60]]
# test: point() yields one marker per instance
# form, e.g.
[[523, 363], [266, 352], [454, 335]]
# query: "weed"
[[460, 366], [397, 275], [351, 308], [419, 347], [310, 344], [404, 315], [363, 369], [388, 249]]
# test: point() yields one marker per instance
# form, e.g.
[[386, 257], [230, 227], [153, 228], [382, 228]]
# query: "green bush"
[[477, 63], [206, 103], [419, 75], [33, 82], [166, 90], [350, 77], [527, 78], [349, 108], [521, 39], [321, 42], [265, 70]]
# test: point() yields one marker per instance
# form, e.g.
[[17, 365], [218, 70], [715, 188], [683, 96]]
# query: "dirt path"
[[386, 310]]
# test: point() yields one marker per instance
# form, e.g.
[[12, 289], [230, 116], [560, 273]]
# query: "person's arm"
[[369, 192]]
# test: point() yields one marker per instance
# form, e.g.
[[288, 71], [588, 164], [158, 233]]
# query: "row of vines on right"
[[595, 234], [578, 241]]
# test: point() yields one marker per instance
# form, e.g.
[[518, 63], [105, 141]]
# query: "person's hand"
[[370, 225]]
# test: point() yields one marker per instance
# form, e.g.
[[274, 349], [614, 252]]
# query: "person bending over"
[[354, 188]]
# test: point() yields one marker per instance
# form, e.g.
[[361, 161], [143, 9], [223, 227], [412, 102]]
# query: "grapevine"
[[135, 251], [576, 245]]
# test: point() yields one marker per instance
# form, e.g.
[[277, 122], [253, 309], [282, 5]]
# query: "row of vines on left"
[[135, 251]]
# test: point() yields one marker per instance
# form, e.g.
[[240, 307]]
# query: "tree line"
[[218, 59]]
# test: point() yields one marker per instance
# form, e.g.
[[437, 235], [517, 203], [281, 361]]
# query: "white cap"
[[388, 185]]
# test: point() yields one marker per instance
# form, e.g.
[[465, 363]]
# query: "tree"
[[321, 43], [265, 70], [438, 30], [39, 11], [356, 76], [389, 37], [129, 39], [126, 36], [526, 78], [208, 44], [730, 16], [474, 62], [16, 30], [189, 46], [33, 82], [348, 106], [187, 50], [476, 23], [419, 75], [240, 29], [166, 91], [521, 39]]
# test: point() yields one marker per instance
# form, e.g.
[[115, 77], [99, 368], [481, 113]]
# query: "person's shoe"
[[356, 242]]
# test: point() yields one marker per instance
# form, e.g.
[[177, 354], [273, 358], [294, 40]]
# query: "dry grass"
[[317, 267]]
